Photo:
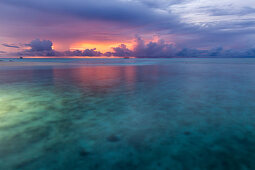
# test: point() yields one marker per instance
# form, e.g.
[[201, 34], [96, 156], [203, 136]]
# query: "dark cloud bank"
[[159, 49]]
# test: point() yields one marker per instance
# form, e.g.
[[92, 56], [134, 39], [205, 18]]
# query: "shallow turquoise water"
[[136, 114]]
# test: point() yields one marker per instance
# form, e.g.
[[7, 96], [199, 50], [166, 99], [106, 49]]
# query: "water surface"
[[129, 114]]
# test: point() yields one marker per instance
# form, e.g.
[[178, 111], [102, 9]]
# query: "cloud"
[[161, 49], [190, 24], [91, 52], [141, 49], [153, 49], [44, 48], [35, 53], [38, 45], [217, 53], [158, 49], [86, 52], [133, 12], [121, 19], [121, 51], [10, 45], [38, 48], [218, 15]]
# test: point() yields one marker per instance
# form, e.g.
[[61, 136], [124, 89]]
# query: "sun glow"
[[102, 47]]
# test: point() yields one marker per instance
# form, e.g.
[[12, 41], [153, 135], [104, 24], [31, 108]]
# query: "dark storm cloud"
[[10, 45]]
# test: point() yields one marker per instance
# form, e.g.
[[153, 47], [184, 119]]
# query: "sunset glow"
[[139, 28], [103, 47]]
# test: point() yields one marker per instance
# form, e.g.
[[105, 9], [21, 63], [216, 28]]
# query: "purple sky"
[[143, 27]]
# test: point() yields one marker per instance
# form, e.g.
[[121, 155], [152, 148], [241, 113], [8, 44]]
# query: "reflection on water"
[[98, 78], [161, 116]]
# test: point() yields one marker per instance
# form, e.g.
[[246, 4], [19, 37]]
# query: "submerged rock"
[[187, 133], [84, 153], [113, 138]]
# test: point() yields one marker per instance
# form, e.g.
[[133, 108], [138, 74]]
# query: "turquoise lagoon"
[[174, 114]]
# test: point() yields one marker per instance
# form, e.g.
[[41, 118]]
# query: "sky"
[[141, 28]]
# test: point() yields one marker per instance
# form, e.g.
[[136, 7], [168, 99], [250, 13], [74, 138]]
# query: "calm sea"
[[128, 114]]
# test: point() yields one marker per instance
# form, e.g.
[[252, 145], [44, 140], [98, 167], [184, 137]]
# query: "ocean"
[[111, 114]]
